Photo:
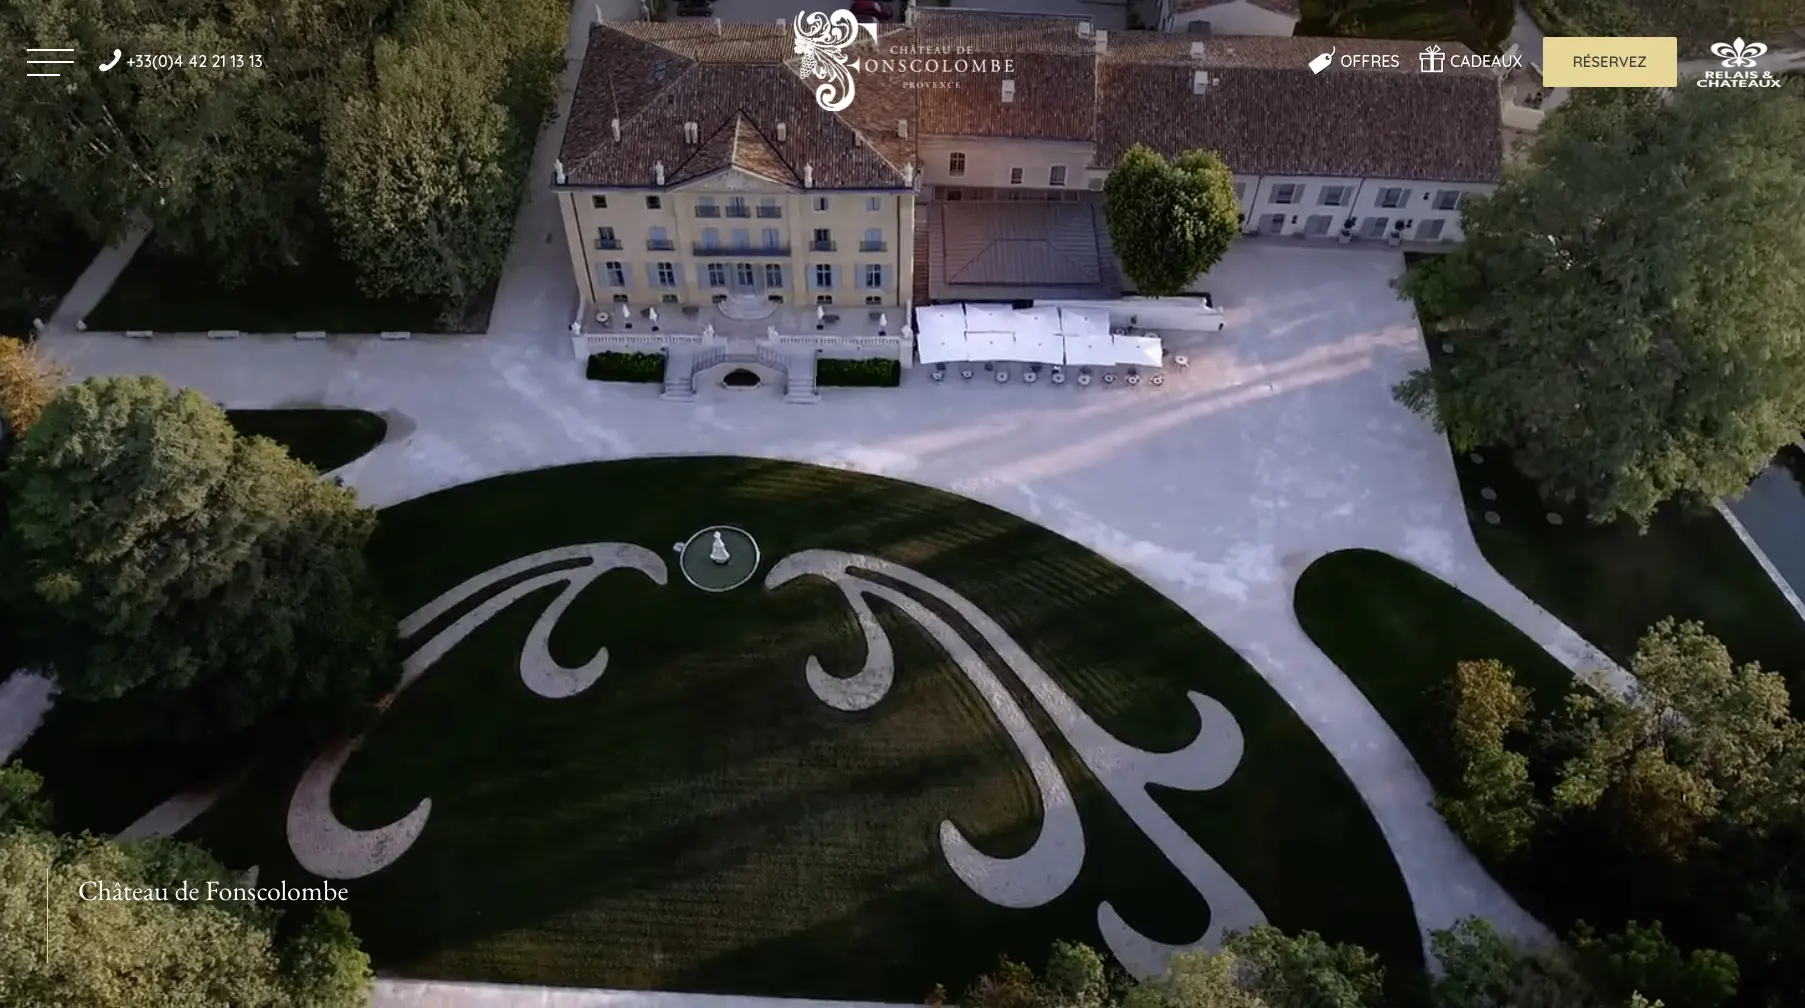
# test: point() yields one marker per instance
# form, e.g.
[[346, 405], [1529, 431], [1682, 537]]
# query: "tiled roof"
[[1263, 111], [1275, 6], [731, 82]]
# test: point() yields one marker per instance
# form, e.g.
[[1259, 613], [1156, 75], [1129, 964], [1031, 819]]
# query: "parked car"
[[695, 8], [872, 10]]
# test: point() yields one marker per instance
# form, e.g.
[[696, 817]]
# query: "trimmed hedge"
[[625, 367], [871, 372]]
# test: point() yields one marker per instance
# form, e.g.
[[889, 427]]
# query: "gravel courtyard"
[[1279, 443]]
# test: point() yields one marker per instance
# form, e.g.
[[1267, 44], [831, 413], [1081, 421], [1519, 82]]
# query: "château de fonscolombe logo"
[[822, 41]]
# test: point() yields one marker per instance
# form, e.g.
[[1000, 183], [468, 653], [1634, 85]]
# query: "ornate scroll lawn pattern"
[[329, 849], [1034, 878], [1050, 866]]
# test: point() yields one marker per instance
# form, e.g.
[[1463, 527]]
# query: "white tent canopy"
[[1090, 350], [1046, 335], [1084, 321], [941, 337], [1143, 351]]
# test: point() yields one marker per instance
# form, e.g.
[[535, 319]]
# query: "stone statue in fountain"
[[717, 551]]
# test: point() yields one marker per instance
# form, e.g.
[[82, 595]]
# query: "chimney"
[[1197, 50], [909, 173], [558, 171], [691, 133], [1008, 91], [1102, 39], [808, 176], [783, 132], [1200, 82], [614, 128], [658, 171], [902, 128], [1084, 29], [717, 26]]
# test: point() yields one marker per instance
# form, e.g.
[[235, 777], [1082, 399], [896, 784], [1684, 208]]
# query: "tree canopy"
[[182, 578], [424, 163], [1170, 221], [1627, 311], [28, 381]]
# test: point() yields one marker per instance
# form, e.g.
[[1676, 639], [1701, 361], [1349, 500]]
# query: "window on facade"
[[705, 207], [773, 275], [824, 276], [769, 207], [874, 276], [1448, 199], [736, 207], [717, 274], [1393, 197], [1333, 195], [667, 274], [654, 203], [669, 299], [874, 299], [1096, 183], [1373, 227], [874, 240], [773, 239], [620, 299], [658, 238], [824, 299], [955, 163], [1286, 192], [1430, 230], [604, 238], [599, 202], [742, 274], [954, 195], [873, 204], [617, 274], [1056, 175], [820, 204], [711, 237], [774, 298], [1015, 176], [742, 238], [824, 240]]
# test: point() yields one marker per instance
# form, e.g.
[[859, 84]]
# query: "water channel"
[[1773, 511]]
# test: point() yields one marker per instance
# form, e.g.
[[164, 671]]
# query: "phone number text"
[[194, 61]]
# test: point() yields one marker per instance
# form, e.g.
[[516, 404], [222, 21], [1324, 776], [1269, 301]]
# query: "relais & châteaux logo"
[[1740, 60], [822, 40]]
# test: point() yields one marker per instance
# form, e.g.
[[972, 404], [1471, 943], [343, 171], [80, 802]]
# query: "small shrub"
[[625, 367], [871, 372]]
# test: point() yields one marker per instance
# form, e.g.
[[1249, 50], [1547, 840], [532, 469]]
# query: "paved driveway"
[[1280, 442]]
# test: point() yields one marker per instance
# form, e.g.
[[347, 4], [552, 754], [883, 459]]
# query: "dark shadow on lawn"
[[699, 804], [323, 438]]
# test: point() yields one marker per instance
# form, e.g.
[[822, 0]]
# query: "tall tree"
[[1494, 809], [425, 167], [29, 379], [186, 579], [1170, 221], [1701, 740], [124, 954], [222, 161], [1628, 310], [1304, 971], [1196, 980]]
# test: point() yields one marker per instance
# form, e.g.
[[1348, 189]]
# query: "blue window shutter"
[[883, 276], [678, 268], [626, 275], [711, 237], [837, 277], [651, 274]]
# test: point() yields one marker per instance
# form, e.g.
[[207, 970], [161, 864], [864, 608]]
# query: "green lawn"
[[322, 438], [699, 821], [103, 788], [164, 292], [1399, 631]]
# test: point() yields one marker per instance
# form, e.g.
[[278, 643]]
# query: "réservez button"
[[1611, 61]]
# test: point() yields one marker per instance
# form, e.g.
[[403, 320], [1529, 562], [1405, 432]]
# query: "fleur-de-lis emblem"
[[1045, 871], [822, 41], [1739, 53]]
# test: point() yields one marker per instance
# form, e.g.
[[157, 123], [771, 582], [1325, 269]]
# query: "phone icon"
[[1321, 63], [110, 64]]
